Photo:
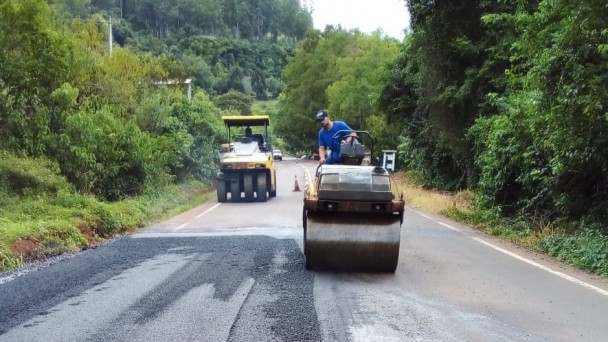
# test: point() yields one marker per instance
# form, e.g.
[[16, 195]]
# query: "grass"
[[432, 201]]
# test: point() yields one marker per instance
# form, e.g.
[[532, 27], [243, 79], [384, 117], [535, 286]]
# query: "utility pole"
[[110, 36], [188, 82]]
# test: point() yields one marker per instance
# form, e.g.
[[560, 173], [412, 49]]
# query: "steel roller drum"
[[352, 242]]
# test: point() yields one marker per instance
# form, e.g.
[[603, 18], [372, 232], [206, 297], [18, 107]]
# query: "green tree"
[[201, 119], [73, 8], [362, 75], [104, 154], [234, 100], [559, 95], [34, 61], [306, 78], [452, 67]]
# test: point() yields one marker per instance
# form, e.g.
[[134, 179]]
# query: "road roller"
[[246, 163], [352, 215]]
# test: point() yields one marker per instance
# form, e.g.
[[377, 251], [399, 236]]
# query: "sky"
[[367, 15]]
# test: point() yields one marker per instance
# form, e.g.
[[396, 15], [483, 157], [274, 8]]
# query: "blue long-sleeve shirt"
[[326, 139]]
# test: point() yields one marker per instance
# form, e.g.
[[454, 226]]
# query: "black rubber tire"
[[235, 191], [248, 187], [273, 191], [262, 188], [222, 194]]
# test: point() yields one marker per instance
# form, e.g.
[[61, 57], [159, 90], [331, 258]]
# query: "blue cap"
[[321, 115]]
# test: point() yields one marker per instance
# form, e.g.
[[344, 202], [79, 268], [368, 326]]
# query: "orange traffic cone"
[[296, 187]]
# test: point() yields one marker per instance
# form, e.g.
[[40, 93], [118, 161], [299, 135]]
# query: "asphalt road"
[[235, 272]]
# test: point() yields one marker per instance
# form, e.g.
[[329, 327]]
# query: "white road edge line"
[[419, 213], [520, 258], [544, 268], [448, 226], [208, 210], [197, 216]]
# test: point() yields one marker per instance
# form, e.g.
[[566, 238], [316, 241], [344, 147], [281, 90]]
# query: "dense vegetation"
[[220, 44], [509, 99]]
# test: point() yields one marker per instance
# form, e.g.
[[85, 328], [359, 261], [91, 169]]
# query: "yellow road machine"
[[247, 169]]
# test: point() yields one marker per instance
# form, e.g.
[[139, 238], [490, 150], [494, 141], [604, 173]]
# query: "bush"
[[102, 154], [587, 250]]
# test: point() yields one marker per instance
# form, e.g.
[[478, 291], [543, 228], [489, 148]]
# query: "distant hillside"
[[222, 44], [244, 19]]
